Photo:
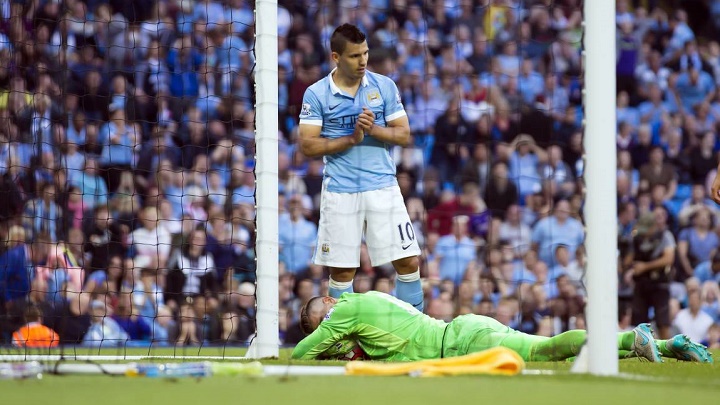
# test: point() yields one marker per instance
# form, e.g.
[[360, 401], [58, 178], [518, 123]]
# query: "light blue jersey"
[[368, 165]]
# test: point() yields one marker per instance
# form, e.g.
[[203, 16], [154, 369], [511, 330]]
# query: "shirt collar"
[[335, 89]]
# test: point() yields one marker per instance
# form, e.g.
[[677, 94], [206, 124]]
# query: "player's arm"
[[311, 123], [313, 145], [315, 343], [397, 132]]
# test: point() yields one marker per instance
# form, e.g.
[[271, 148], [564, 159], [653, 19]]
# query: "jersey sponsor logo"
[[348, 121], [405, 247], [373, 98], [305, 110], [332, 107]]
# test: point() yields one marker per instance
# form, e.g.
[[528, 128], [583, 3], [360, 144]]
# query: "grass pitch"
[[641, 382]]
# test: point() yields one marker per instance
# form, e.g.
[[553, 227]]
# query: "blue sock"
[[409, 289], [336, 288]]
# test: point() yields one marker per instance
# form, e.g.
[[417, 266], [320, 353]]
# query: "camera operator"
[[648, 265]]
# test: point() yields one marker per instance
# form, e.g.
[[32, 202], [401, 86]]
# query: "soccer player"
[[389, 329], [352, 117]]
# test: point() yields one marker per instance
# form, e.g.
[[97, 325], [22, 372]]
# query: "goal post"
[[600, 198], [266, 341]]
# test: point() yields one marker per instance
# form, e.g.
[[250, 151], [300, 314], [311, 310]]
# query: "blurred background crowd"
[[127, 156]]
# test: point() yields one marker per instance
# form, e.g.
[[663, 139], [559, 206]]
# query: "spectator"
[[469, 202], [453, 135], [455, 252], [558, 229], [696, 243], [192, 278], [127, 317], [557, 176], [524, 272], [656, 171], [648, 266], [500, 193], [692, 321], [297, 238], [703, 157], [515, 232], [524, 161], [147, 296], [118, 138], [103, 331], [477, 168], [151, 240], [709, 270], [103, 239], [34, 334], [43, 215], [713, 340], [710, 298], [92, 187]]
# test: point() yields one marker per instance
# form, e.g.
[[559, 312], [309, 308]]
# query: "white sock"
[[409, 278], [340, 285]]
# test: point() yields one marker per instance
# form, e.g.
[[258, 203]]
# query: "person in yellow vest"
[[34, 333]]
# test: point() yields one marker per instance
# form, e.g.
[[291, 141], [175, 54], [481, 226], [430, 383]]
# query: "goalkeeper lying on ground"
[[389, 329]]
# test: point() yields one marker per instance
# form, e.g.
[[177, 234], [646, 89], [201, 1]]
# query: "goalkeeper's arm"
[[316, 343]]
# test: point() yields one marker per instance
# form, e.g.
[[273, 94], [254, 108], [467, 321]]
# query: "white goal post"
[[266, 343], [600, 198]]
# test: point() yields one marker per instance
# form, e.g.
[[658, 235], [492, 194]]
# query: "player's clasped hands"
[[364, 124]]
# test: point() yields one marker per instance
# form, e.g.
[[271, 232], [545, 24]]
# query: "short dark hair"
[[305, 324], [32, 313], [344, 34]]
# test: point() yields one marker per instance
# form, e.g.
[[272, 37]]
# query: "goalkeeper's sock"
[[626, 340], [664, 350], [409, 289], [336, 288]]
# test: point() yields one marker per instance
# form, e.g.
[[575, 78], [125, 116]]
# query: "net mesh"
[[127, 159]]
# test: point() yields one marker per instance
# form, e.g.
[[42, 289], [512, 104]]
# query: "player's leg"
[[484, 333], [409, 286], [339, 238], [682, 348], [568, 344], [391, 237]]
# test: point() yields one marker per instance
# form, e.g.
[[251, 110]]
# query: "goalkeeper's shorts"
[[475, 333]]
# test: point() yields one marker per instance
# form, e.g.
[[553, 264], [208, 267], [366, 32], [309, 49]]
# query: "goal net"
[[128, 158]]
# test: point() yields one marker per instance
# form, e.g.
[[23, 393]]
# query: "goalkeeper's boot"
[[644, 345], [685, 349]]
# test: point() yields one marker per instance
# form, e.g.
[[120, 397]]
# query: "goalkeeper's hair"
[[344, 34], [305, 324]]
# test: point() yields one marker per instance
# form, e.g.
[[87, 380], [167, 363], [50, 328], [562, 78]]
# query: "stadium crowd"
[[127, 143]]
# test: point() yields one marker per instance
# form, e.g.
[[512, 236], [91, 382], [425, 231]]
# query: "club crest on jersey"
[[305, 110], [373, 98], [325, 248]]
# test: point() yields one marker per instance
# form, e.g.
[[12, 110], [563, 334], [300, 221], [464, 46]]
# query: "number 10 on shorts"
[[407, 235]]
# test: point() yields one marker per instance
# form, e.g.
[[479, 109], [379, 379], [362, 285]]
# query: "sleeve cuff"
[[394, 116], [317, 123]]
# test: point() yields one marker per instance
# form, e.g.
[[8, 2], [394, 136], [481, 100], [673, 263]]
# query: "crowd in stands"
[[127, 157]]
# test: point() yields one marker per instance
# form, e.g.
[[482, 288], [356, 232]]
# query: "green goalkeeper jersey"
[[385, 327]]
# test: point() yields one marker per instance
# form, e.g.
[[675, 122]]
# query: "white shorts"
[[380, 214]]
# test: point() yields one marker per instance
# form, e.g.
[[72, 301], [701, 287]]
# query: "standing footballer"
[[351, 118]]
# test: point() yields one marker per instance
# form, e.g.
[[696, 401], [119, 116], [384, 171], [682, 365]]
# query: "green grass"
[[691, 383]]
